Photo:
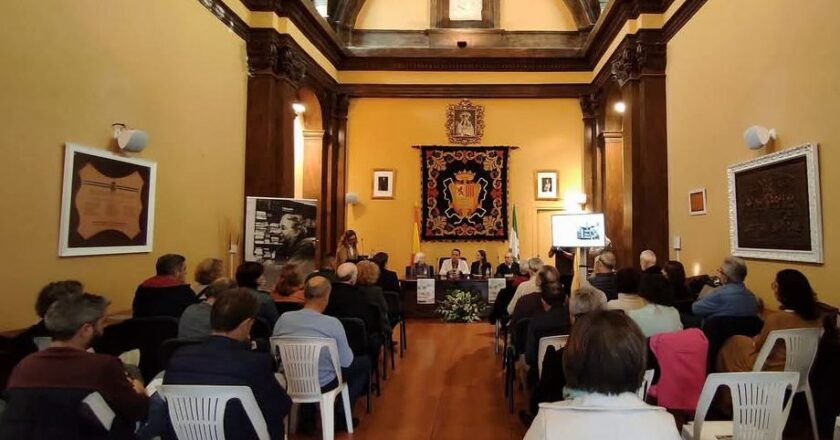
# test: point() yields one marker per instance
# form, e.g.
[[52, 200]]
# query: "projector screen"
[[577, 230]]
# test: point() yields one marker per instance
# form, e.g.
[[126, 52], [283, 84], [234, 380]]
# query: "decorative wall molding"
[[642, 54], [533, 91], [228, 17], [273, 53]]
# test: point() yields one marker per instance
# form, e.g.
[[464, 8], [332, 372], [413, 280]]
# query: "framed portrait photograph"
[[697, 201], [107, 203], [775, 208], [383, 184], [546, 185], [465, 122]]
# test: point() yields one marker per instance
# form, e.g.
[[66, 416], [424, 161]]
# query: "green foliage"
[[461, 306]]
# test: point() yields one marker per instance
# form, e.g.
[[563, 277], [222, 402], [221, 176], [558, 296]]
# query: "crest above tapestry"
[[464, 193], [465, 122]]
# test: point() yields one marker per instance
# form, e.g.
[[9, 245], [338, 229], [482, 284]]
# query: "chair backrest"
[[394, 303], [721, 328], [758, 403], [520, 335], [145, 334], [260, 329], [647, 381], [300, 357], [170, 346], [440, 262], [65, 413], [356, 333], [800, 350], [197, 412], [287, 306], [557, 342]]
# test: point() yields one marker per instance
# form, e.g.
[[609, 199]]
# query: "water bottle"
[[487, 272]]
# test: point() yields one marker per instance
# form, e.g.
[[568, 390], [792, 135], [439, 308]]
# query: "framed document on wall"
[[107, 203], [774, 206]]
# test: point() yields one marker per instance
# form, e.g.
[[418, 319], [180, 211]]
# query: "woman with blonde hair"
[[347, 250], [289, 287], [207, 271], [366, 282]]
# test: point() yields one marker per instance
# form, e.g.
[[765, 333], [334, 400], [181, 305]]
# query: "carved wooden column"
[[593, 184], [340, 145], [275, 70], [640, 72], [333, 172]]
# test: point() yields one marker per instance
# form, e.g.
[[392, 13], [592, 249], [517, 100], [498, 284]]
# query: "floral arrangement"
[[461, 306]]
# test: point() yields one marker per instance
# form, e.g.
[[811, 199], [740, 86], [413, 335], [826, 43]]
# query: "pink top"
[[682, 363]]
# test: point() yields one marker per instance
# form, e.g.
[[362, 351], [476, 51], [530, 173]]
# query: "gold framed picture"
[[465, 122], [383, 184], [545, 183], [697, 201]]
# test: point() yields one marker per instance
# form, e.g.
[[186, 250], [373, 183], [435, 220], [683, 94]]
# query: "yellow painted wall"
[[516, 15], [72, 68], [381, 132], [737, 64]]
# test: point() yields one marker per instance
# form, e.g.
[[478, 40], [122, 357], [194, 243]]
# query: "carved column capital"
[[638, 57], [269, 54], [590, 106]]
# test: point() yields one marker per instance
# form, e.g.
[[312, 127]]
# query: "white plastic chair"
[[800, 350], [197, 412], [299, 357], [557, 342], [758, 406], [647, 381]]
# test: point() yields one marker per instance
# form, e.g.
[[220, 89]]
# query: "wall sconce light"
[[129, 139], [298, 108], [757, 136], [351, 199], [620, 107]]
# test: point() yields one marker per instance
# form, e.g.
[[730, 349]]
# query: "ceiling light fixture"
[[620, 107]]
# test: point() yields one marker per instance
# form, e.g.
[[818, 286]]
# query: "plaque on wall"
[[465, 14], [107, 203], [774, 206], [463, 10]]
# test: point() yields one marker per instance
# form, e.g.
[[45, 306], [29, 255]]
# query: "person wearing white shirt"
[[534, 265], [604, 362], [455, 264]]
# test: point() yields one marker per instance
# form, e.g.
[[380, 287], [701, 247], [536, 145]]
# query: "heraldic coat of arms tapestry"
[[464, 193]]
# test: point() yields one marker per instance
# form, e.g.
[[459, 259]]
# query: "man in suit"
[[327, 269], [509, 268], [388, 280], [603, 277], [225, 358], [167, 293], [564, 260], [347, 301], [455, 264]]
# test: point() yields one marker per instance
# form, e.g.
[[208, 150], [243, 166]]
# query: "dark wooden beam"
[[538, 91], [365, 42]]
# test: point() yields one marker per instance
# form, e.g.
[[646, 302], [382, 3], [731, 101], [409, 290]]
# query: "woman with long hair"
[[480, 266], [798, 310], [657, 316], [347, 250], [289, 287]]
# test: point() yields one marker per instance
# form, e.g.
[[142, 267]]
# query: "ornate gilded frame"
[[453, 113]]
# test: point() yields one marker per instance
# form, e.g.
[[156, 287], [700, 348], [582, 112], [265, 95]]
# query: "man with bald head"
[[509, 268], [311, 322], [347, 301], [647, 261]]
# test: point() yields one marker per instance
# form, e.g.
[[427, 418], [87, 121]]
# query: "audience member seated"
[[730, 299], [226, 358], [530, 286], [167, 293], [675, 272], [481, 267], [289, 287], [326, 269], [798, 310], [604, 362], [647, 261], [311, 322], [420, 269], [52, 292], [347, 301], [627, 284], [195, 321], [208, 271], [655, 317], [455, 265], [508, 268], [551, 383], [75, 321], [564, 260], [603, 278], [249, 275], [554, 321], [532, 304], [347, 250], [388, 280], [368, 275]]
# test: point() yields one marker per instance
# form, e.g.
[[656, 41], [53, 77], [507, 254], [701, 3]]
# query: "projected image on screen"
[[577, 230]]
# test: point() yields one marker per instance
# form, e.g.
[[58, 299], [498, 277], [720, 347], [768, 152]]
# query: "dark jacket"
[[555, 321], [224, 361], [528, 306], [329, 274], [483, 270], [162, 296], [605, 282], [503, 269], [347, 301], [388, 281]]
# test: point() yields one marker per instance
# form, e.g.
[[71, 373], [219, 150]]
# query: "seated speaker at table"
[[420, 269], [481, 266], [508, 268], [455, 264]]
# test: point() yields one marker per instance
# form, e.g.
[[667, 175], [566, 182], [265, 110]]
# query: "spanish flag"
[[415, 234]]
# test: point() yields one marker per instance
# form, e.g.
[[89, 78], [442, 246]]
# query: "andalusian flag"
[[415, 234], [514, 237]]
